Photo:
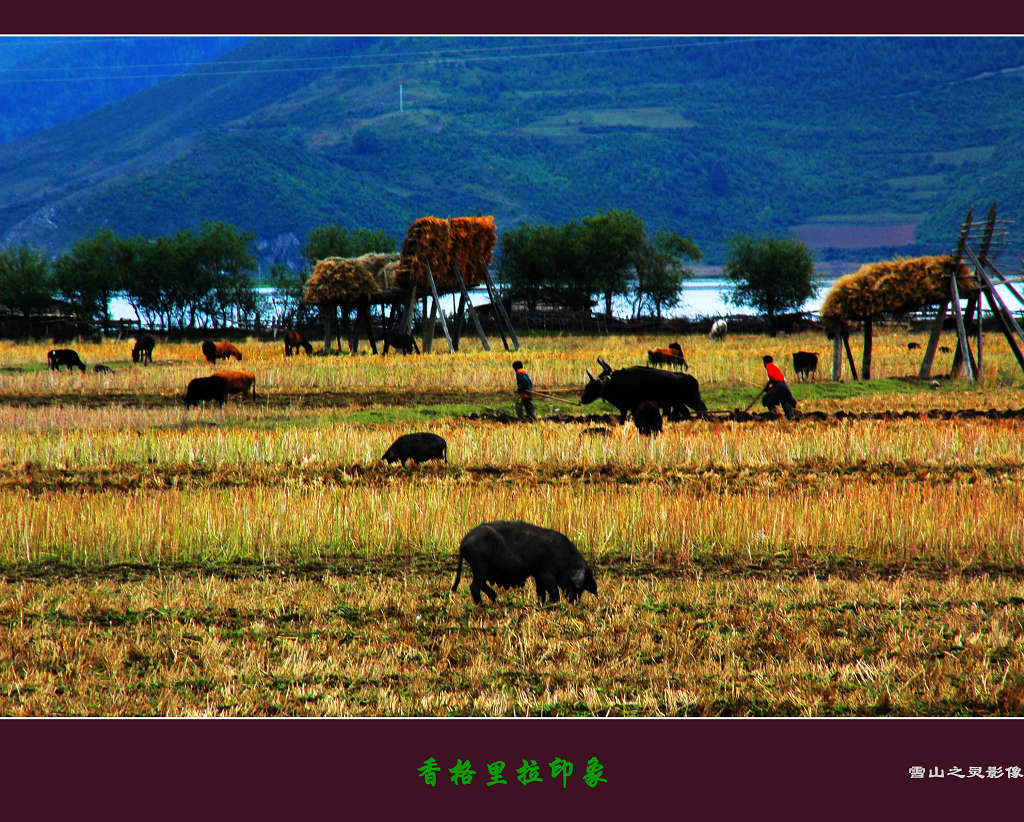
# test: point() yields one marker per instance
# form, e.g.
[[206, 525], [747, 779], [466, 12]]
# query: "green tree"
[[222, 262], [286, 305], [770, 274], [608, 244], [544, 262], [661, 269], [90, 274], [26, 280], [152, 270]]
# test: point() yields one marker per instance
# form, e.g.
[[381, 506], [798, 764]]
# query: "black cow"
[[102, 369], [64, 356], [202, 389], [675, 394], [805, 364], [508, 552], [404, 343], [418, 447], [143, 349], [647, 418], [911, 346]]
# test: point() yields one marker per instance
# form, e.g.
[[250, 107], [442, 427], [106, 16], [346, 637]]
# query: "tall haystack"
[[894, 287], [468, 241]]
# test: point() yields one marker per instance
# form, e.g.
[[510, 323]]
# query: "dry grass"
[[396, 645], [261, 560]]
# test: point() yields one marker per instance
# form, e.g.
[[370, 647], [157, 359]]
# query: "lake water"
[[700, 297]]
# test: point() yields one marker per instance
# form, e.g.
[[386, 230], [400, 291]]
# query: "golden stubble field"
[[261, 560]]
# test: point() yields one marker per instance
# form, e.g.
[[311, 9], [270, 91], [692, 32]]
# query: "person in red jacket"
[[776, 392]]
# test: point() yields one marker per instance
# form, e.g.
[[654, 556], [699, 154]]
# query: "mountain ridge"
[[848, 141]]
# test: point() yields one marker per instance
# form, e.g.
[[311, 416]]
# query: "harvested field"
[[261, 559]]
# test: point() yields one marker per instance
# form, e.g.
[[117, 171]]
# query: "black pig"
[[508, 552]]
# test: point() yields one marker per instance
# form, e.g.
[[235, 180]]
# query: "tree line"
[[612, 254], [185, 281], [207, 278]]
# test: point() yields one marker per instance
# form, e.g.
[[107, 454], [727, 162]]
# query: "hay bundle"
[[893, 287], [469, 241], [347, 279]]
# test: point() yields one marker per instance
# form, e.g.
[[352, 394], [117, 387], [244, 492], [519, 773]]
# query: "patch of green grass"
[[729, 397]]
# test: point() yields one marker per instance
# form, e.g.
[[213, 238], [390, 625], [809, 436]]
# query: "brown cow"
[[220, 350], [293, 341], [673, 355], [238, 382]]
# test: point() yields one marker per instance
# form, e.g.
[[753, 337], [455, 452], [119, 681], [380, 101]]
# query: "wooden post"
[[954, 299], [353, 330], [325, 312], [364, 312], [406, 326], [961, 333], [849, 354], [933, 343], [979, 372], [837, 356], [865, 368], [469, 305], [428, 329], [437, 305], [459, 321], [496, 301]]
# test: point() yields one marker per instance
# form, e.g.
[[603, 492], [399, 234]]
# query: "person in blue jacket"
[[524, 392]]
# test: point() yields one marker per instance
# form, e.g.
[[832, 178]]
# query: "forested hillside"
[[49, 80], [862, 146]]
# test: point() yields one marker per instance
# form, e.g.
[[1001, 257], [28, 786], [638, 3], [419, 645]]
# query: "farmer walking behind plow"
[[524, 393], [776, 392]]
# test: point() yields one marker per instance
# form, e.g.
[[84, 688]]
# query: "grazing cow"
[[719, 328], [143, 350], [404, 343], [220, 350], [418, 447], [508, 552], [647, 418], [202, 389], [805, 364], [238, 382], [675, 394], [102, 369], [945, 349], [293, 341], [64, 356], [673, 355], [911, 346]]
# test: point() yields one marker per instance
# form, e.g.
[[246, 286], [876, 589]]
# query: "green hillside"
[[863, 146]]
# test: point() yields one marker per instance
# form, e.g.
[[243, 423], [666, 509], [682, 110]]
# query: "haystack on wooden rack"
[[977, 247], [438, 257], [907, 284], [344, 283], [891, 287]]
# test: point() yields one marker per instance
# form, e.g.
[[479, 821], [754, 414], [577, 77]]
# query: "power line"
[[337, 62]]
